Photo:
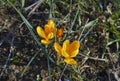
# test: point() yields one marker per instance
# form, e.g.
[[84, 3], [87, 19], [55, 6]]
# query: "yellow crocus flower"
[[47, 33], [68, 50]]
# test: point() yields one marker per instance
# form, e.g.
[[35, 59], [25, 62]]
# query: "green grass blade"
[[23, 3], [111, 42], [90, 24], [76, 15]]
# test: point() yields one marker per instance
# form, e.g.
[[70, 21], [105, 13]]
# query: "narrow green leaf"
[[23, 3], [76, 15], [111, 42], [90, 26], [91, 23]]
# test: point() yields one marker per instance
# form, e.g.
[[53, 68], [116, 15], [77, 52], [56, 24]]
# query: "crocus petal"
[[65, 45], [45, 42], [70, 61], [59, 33], [50, 35], [40, 32], [65, 54], [51, 23], [48, 29], [73, 48], [58, 48], [74, 53]]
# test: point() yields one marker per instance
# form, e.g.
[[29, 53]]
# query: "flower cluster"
[[68, 50]]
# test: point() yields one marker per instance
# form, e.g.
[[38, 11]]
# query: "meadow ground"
[[31, 54]]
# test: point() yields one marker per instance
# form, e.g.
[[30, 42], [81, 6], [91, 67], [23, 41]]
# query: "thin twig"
[[83, 29], [62, 72], [37, 5], [29, 7], [99, 59]]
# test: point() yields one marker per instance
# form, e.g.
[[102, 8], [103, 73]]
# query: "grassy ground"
[[94, 23]]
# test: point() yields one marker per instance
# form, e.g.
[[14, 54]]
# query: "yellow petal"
[[40, 32], [64, 48], [50, 35], [58, 48], [48, 29], [66, 44], [74, 45], [74, 53], [65, 54], [51, 23], [45, 42], [70, 61], [73, 48]]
